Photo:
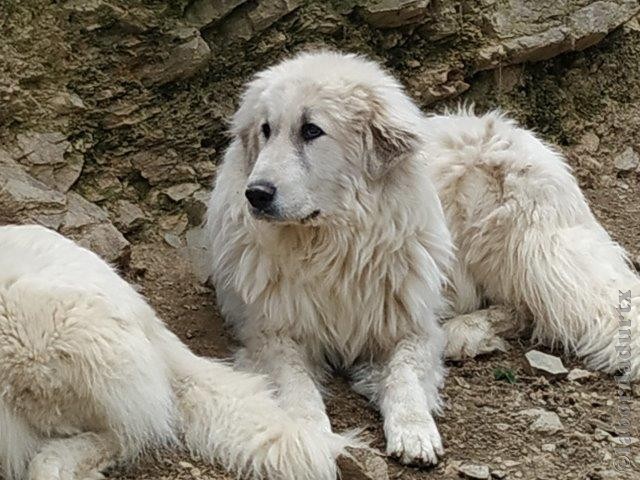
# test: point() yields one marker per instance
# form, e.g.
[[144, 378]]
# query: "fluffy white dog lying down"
[[330, 245], [90, 376]]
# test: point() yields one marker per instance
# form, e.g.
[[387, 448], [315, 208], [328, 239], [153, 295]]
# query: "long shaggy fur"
[[90, 376], [526, 238], [349, 264], [359, 284]]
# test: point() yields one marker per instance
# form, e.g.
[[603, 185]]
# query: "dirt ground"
[[137, 139]]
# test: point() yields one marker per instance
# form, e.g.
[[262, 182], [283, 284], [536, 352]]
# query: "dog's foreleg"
[[293, 373], [82, 457], [406, 390]]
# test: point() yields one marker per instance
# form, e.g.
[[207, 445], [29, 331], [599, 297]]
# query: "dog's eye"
[[311, 131], [266, 130]]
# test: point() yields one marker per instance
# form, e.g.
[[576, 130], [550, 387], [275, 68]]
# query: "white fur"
[[360, 283], [526, 238], [90, 376]]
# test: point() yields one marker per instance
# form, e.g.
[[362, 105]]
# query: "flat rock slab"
[[540, 362], [24, 199], [544, 420], [477, 472], [364, 464]]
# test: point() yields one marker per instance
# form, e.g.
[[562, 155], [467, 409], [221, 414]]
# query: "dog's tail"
[[232, 417], [583, 293]]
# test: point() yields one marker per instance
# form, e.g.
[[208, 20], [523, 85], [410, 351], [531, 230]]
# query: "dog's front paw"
[[414, 440]]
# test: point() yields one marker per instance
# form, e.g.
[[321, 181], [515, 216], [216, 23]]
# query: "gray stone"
[[394, 13], [627, 161], [172, 240], [252, 18], [549, 447], [23, 199], [67, 102], [499, 474], [182, 191], [43, 155], [623, 440], [196, 207], [197, 253], [128, 216], [590, 142], [578, 374], [90, 226], [42, 148], [363, 464], [541, 362], [530, 30], [545, 421], [183, 62], [478, 472], [162, 167], [202, 13]]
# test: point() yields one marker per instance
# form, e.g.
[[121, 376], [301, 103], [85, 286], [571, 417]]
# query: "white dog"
[[90, 376], [330, 246], [526, 239]]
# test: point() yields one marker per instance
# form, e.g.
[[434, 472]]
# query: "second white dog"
[[89, 376]]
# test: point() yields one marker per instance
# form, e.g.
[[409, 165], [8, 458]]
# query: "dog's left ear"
[[390, 139]]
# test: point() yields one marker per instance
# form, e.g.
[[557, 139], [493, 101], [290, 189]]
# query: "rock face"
[[530, 30], [138, 121], [23, 199], [44, 156]]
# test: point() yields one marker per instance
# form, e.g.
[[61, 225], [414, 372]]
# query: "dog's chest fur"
[[344, 295]]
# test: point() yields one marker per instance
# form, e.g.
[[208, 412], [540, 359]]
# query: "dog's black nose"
[[261, 195]]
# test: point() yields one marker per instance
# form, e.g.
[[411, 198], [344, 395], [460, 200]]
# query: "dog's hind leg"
[[81, 457], [480, 332]]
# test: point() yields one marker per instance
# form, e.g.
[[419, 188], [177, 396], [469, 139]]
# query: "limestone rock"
[[393, 14], [252, 18], [128, 216], [184, 61], [196, 207], [26, 200], [181, 191], [545, 421], [162, 167], [90, 226], [67, 102], [477, 472], [541, 362], [578, 374], [627, 161], [43, 155], [364, 464], [530, 30], [202, 13]]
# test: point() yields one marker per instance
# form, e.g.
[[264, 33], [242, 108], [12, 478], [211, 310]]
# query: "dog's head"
[[318, 132]]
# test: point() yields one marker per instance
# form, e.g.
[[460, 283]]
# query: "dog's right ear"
[[245, 122]]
